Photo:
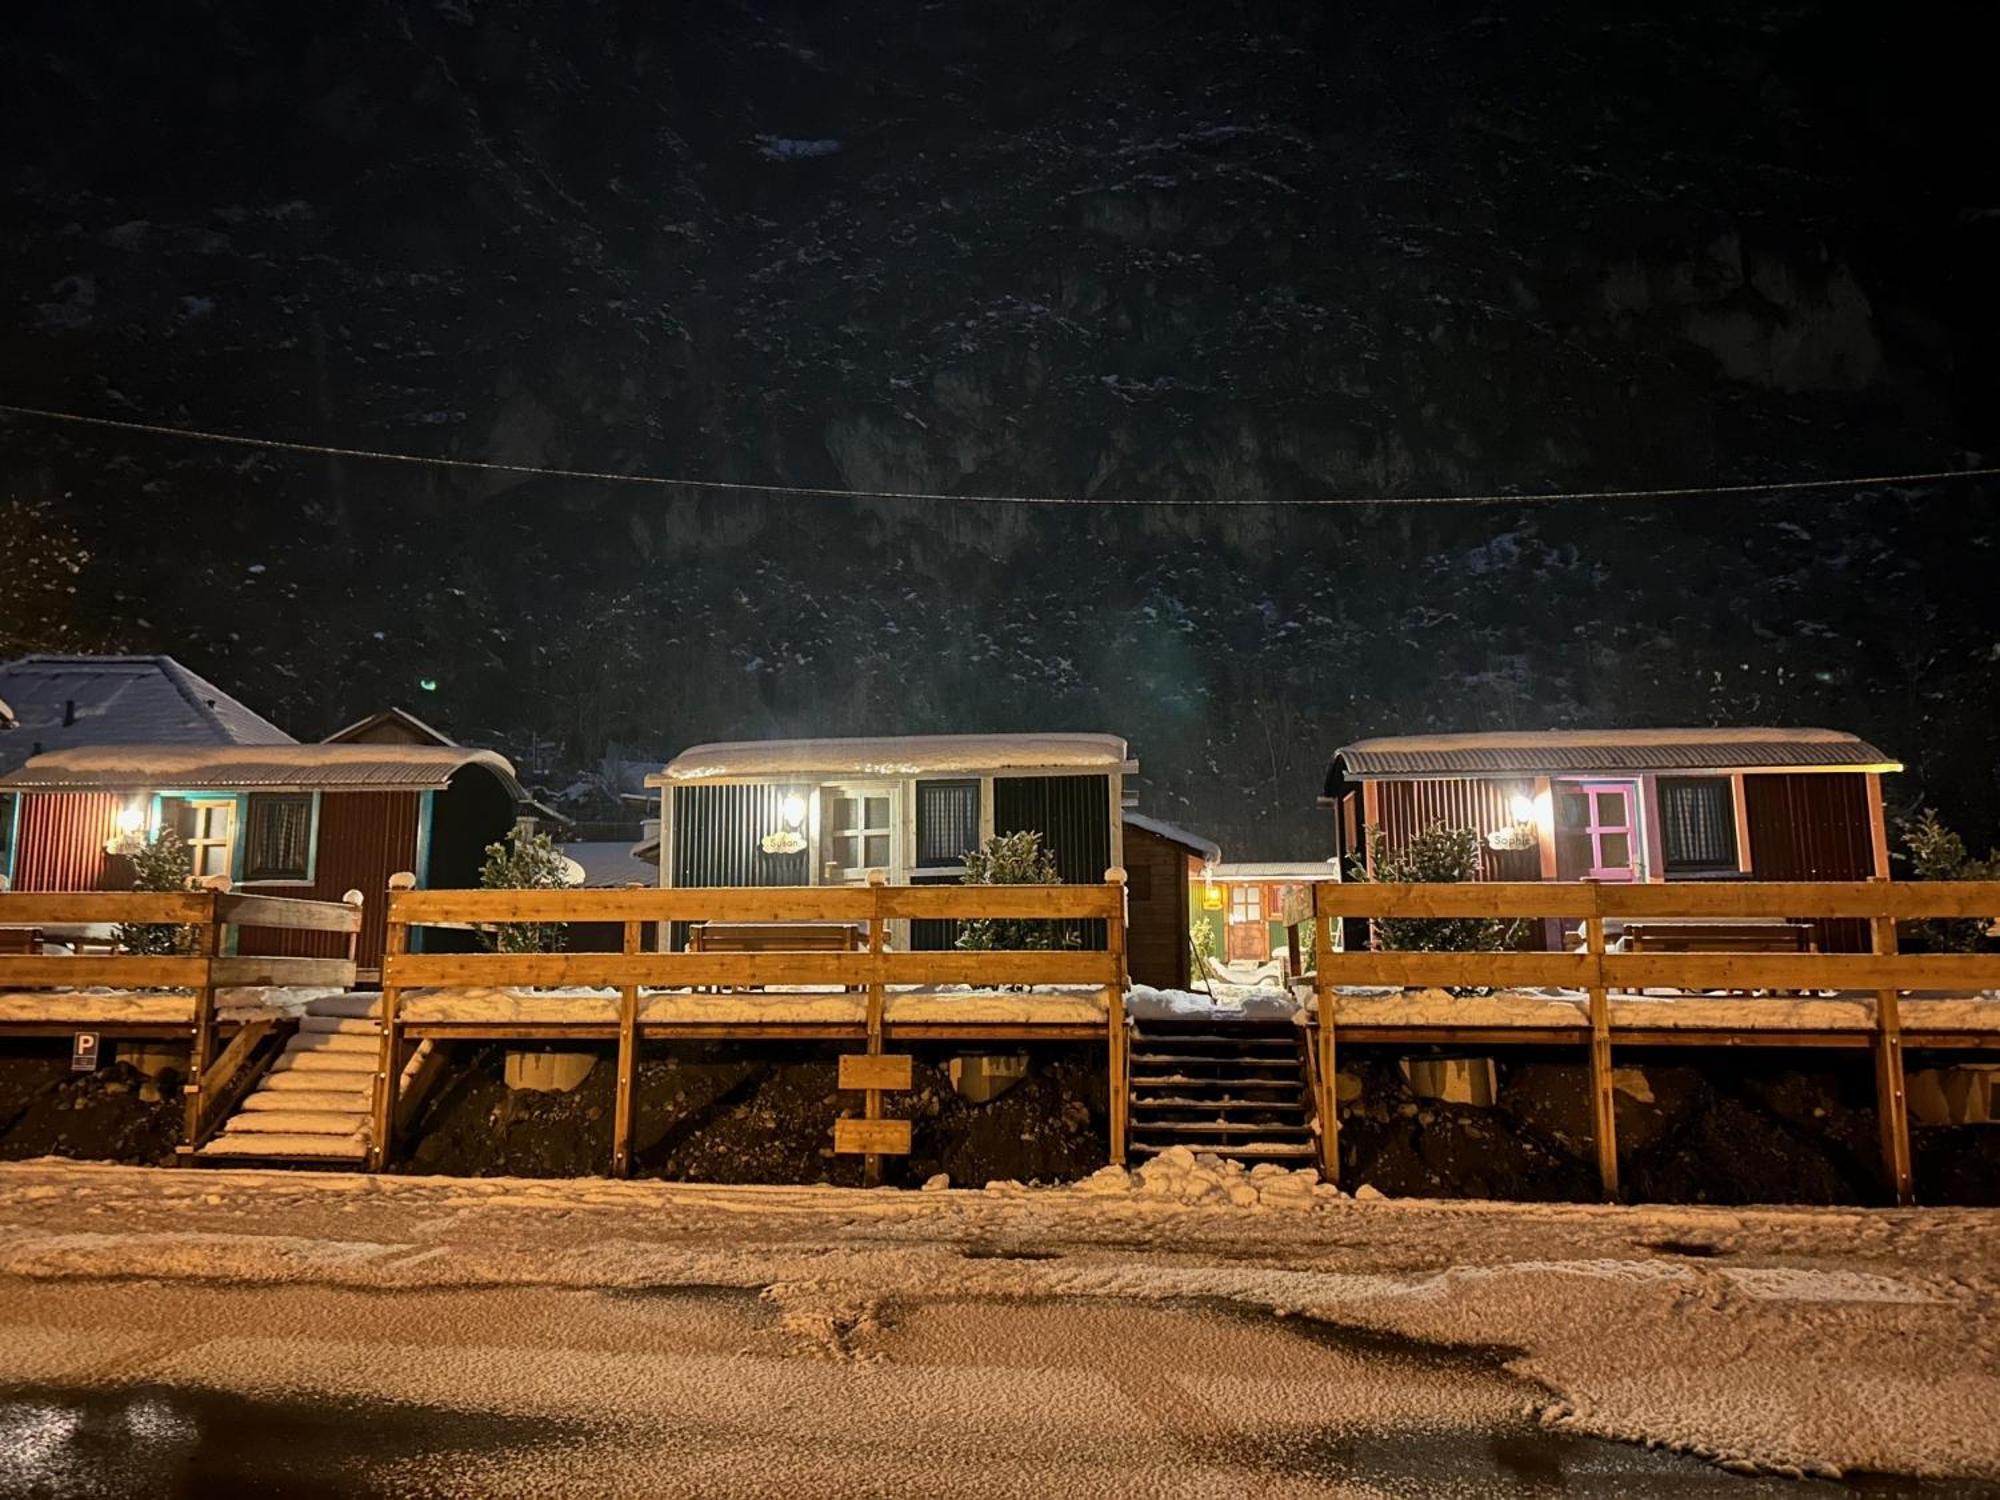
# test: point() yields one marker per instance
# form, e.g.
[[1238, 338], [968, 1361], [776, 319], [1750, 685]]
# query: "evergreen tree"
[[524, 861], [1014, 859], [161, 864]]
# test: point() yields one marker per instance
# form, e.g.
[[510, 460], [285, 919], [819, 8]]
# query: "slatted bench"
[[21, 940], [775, 937], [1718, 937]]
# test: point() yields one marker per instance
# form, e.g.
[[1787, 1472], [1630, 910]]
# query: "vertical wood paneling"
[[1406, 808], [1156, 934], [364, 838], [62, 841], [1812, 827]]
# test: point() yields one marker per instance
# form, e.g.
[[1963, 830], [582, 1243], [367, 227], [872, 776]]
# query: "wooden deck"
[[1883, 1001]]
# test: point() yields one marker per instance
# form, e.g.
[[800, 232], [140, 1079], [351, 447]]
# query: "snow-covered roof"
[[58, 702], [1173, 833], [1571, 751], [908, 755], [392, 726], [321, 768], [1274, 872]]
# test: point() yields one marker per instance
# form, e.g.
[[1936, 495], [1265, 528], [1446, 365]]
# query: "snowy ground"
[[1116, 1337]]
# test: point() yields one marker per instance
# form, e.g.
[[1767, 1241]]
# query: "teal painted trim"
[[426, 812], [14, 801]]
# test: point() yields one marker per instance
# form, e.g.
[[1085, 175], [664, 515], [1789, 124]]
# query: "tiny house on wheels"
[[312, 821], [1630, 804], [832, 811]]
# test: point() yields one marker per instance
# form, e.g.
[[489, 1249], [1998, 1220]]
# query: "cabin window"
[[1246, 903], [947, 823], [277, 842], [208, 827], [1698, 825]]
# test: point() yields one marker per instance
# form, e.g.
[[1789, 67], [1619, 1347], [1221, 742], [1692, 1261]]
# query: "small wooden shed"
[[1163, 863]]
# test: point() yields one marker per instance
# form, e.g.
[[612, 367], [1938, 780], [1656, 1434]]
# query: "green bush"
[[524, 861], [1437, 855], [161, 864], [1934, 852], [1014, 859]]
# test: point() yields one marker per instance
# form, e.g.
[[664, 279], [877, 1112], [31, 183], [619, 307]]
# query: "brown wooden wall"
[[364, 838], [61, 847], [1813, 826], [1407, 808], [1158, 873]]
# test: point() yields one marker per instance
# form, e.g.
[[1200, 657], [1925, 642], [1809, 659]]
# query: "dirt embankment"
[[1706, 1129], [727, 1112], [114, 1114]]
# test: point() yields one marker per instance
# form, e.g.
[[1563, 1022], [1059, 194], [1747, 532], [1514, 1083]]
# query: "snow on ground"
[[135, 1007], [1802, 1341]]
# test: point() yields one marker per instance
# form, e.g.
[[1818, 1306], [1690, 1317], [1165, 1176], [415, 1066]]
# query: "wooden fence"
[[870, 970], [202, 965], [1885, 975]]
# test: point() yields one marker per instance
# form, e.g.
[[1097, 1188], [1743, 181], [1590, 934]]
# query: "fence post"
[[390, 1058], [1323, 1040], [209, 944], [1118, 1053], [1892, 1110], [871, 1108], [628, 1063], [1603, 1105]]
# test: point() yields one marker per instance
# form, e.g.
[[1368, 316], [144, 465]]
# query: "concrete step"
[[295, 1122], [310, 1101], [313, 1147]]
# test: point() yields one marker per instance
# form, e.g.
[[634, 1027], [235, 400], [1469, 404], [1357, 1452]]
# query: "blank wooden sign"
[[858, 1070], [871, 1137]]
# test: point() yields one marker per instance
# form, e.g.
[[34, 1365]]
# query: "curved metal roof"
[[1581, 751], [255, 768], [904, 755]]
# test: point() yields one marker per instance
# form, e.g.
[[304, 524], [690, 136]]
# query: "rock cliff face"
[[1206, 253]]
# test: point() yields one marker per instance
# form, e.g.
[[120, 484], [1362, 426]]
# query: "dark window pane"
[[277, 844], [1697, 824], [947, 822]]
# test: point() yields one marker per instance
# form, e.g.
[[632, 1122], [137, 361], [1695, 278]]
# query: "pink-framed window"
[[1611, 826]]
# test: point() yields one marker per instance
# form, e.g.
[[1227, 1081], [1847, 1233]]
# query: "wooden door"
[[1597, 830], [1249, 938]]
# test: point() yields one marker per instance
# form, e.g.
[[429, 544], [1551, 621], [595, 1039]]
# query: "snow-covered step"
[[328, 1147], [313, 1081], [1232, 1086], [318, 1101], [1256, 1151], [312, 1025], [307, 1061], [359, 1004], [296, 1122], [367, 1043]]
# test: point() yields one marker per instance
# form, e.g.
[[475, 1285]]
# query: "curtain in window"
[[1697, 824], [277, 844], [947, 822]]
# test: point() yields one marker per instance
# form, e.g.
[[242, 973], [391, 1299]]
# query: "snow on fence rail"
[[790, 953], [1886, 974], [73, 992]]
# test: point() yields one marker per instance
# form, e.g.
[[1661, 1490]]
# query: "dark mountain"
[[1206, 252]]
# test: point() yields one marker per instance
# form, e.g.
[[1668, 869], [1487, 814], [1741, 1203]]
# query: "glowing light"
[[428, 684], [793, 810], [1211, 896], [131, 819], [1523, 808]]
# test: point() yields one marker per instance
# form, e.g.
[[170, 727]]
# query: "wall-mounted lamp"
[[1211, 894], [793, 810], [1533, 817], [130, 824], [788, 839]]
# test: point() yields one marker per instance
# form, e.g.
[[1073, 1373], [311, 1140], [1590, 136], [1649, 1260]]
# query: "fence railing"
[[1885, 973], [872, 967], [201, 922]]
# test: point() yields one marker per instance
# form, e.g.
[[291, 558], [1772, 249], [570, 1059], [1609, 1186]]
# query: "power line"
[[815, 492]]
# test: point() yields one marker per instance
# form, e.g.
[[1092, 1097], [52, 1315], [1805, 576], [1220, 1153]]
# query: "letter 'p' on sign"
[[83, 1053]]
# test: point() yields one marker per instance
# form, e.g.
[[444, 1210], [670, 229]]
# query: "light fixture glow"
[[131, 819], [793, 810], [1523, 808]]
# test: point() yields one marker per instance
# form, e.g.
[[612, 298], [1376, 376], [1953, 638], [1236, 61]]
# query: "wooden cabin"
[[1251, 908], [1163, 865], [832, 811], [313, 821], [1630, 804]]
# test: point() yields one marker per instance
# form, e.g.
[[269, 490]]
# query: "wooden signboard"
[[871, 1137], [1295, 904], [858, 1070]]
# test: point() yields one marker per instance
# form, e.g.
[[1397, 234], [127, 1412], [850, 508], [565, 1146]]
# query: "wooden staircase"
[[314, 1104], [1233, 1085]]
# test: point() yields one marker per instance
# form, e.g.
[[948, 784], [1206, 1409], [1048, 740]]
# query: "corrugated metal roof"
[[1173, 833], [119, 700], [317, 768], [908, 755], [1581, 751]]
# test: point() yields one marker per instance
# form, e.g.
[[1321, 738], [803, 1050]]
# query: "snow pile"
[[1178, 1175]]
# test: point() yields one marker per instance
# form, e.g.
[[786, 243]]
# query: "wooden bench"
[[1718, 937], [775, 937], [21, 940]]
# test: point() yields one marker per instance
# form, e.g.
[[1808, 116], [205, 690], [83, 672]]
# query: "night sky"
[[1171, 257]]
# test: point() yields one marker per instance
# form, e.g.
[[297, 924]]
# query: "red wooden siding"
[[61, 847], [1407, 808], [1813, 827], [364, 838]]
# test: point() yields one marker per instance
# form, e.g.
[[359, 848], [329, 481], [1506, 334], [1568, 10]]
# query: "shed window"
[[947, 823], [1697, 825], [277, 841]]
